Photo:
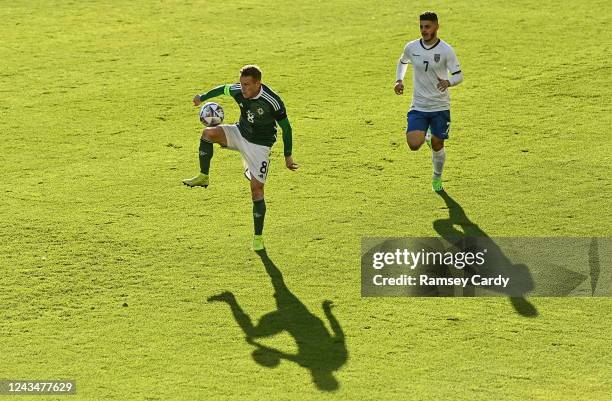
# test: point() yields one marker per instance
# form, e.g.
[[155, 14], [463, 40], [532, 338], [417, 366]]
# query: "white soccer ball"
[[211, 114]]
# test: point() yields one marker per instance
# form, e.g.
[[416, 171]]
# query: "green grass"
[[98, 129]]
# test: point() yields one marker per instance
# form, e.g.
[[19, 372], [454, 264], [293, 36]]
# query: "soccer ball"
[[211, 114]]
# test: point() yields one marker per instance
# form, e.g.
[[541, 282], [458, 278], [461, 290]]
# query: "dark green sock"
[[259, 213], [206, 153]]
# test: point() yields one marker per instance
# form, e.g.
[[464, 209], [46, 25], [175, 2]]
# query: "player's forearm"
[[335, 325], [456, 78], [214, 92], [400, 72], [287, 136]]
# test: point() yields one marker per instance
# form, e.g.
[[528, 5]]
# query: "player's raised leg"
[[210, 135], [415, 139], [259, 213], [418, 124]]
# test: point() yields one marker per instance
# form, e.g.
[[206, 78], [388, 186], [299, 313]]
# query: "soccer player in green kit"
[[253, 136]]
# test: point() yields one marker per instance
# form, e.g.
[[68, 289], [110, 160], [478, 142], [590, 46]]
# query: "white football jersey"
[[430, 63]]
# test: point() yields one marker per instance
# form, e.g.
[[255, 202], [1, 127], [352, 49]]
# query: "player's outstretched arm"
[[214, 92], [335, 325], [287, 143]]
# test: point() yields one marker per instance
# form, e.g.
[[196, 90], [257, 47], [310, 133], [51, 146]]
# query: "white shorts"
[[255, 158]]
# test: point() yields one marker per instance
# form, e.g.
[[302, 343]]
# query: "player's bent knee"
[[414, 146], [209, 134], [215, 135], [415, 139], [437, 144]]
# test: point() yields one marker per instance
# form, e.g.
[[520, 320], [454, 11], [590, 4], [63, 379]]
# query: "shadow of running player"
[[318, 351], [472, 238]]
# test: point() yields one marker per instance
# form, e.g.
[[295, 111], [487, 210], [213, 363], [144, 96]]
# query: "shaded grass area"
[[98, 130]]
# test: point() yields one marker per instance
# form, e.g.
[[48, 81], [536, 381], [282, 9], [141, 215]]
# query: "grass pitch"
[[107, 260]]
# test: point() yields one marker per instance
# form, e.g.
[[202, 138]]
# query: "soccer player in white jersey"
[[435, 69]]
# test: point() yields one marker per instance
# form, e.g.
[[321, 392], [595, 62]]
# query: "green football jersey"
[[258, 116]]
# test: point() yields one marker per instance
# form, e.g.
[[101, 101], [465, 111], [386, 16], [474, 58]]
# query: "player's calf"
[[259, 213], [438, 157]]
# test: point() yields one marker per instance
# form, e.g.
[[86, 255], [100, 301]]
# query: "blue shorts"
[[438, 121]]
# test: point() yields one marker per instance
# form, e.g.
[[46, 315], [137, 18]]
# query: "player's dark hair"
[[251, 71], [428, 16]]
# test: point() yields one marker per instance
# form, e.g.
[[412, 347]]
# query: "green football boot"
[[200, 180], [436, 184], [258, 244]]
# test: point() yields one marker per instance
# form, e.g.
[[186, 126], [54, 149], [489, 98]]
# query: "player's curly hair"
[[428, 16], [251, 70]]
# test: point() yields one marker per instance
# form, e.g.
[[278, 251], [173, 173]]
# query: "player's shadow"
[[319, 351], [471, 238]]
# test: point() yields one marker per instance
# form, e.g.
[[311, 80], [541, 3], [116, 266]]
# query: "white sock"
[[438, 158]]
